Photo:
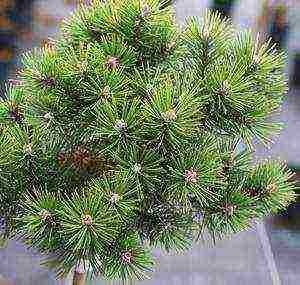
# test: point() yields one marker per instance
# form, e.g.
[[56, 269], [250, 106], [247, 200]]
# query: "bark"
[[78, 278]]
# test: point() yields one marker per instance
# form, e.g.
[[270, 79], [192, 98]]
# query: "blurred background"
[[275, 251]]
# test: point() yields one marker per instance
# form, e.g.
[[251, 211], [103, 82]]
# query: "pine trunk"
[[78, 278]]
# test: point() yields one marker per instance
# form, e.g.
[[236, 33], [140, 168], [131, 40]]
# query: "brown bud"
[[205, 34], [141, 60], [61, 157], [105, 92], [191, 176], [170, 115], [223, 91], [272, 188], [87, 220], [228, 161], [126, 257], [48, 116], [120, 125], [15, 113], [137, 168], [82, 45], [249, 192], [171, 45], [81, 158], [45, 215], [49, 47], [146, 10], [112, 62], [114, 198], [256, 59], [229, 209], [28, 148], [47, 82]]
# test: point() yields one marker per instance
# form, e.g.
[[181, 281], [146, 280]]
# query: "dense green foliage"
[[129, 133]]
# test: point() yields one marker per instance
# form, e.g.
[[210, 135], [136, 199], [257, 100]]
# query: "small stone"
[[126, 257], [112, 62], [120, 125], [173, 19], [191, 176], [51, 172], [87, 220], [168, 226]]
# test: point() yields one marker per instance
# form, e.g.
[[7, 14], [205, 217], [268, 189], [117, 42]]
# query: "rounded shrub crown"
[[128, 133]]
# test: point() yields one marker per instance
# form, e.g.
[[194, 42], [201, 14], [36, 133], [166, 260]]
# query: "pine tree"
[[129, 133]]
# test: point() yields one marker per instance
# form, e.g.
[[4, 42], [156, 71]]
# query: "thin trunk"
[[78, 278]]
